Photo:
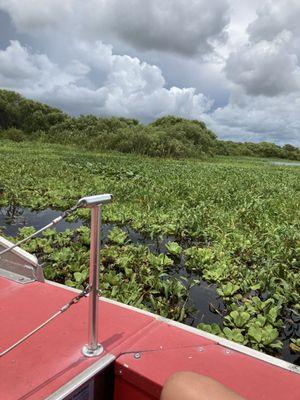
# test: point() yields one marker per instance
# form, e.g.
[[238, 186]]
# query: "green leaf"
[[269, 335], [174, 248], [255, 333], [263, 335], [78, 277], [295, 345], [257, 286], [239, 318], [210, 328], [273, 314], [234, 334], [228, 290], [117, 236]]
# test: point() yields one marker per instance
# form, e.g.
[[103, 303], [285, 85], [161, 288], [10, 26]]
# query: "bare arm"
[[191, 386]]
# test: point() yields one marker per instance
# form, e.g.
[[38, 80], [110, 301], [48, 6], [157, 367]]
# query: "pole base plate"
[[88, 352]]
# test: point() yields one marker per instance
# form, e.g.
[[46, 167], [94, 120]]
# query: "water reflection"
[[12, 218]]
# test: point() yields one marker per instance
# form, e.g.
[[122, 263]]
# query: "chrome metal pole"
[[93, 348]]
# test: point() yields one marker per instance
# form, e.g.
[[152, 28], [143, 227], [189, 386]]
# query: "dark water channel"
[[203, 301], [14, 218]]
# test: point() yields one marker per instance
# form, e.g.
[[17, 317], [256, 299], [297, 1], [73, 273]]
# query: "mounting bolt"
[[227, 351], [120, 372], [137, 356], [201, 349]]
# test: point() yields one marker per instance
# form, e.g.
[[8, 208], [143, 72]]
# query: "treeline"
[[22, 119]]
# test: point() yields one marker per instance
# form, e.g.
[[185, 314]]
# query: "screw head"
[[137, 356]]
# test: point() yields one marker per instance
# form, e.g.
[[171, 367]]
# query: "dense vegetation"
[[22, 119], [234, 223]]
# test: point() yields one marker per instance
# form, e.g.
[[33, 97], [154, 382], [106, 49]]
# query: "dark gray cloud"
[[176, 27], [7, 32]]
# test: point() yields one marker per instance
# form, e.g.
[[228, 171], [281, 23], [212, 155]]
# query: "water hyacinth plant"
[[232, 223]]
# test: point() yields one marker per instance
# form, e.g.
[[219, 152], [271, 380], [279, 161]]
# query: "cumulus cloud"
[[268, 64], [274, 17], [178, 27], [155, 47], [248, 118], [265, 75], [265, 67], [130, 87], [21, 69]]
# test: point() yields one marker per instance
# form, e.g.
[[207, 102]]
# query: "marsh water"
[[205, 304], [203, 297], [13, 218], [286, 164]]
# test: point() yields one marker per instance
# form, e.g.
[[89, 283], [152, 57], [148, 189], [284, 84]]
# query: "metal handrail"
[[92, 348]]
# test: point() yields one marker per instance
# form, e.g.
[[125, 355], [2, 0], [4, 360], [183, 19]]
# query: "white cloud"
[[264, 72], [248, 118], [131, 88], [267, 63], [20, 69], [274, 17], [265, 68]]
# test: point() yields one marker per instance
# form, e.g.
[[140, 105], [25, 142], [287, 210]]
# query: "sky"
[[234, 64]]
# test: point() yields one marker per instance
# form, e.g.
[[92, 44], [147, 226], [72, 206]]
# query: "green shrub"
[[14, 134], [169, 136]]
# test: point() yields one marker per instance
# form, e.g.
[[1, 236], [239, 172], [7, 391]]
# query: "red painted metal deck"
[[178, 350], [52, 357]]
